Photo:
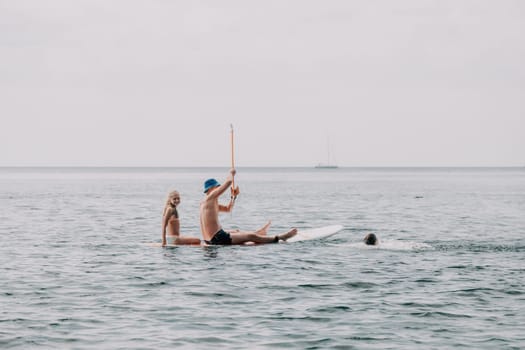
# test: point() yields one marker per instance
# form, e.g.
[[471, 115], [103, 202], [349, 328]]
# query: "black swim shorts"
[[221, 238]]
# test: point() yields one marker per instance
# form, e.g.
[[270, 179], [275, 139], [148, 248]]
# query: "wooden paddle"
[[233, 192], [233, 154]]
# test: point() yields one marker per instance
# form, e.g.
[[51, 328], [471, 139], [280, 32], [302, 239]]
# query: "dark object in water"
[[370, 239]]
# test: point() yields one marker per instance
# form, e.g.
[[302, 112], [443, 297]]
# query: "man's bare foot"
[[262, 230], [288, 234]]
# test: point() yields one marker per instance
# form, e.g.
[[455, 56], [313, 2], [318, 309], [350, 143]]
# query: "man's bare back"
[[209, 216]]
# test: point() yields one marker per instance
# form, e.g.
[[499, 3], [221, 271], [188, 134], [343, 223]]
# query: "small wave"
[[484, 290], [149, 284], [426, 280], [331, 309], [317, 286], [474, 290], [211, 295], [365, 285], [282, 317], [363, 338], [439, 314], [466, 267], [514, 292], [414, 304], [477, 247], [392, 245]]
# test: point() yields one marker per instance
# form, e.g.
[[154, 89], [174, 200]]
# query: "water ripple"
[[83, 277]]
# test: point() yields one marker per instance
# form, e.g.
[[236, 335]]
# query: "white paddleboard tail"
[[315, 233]]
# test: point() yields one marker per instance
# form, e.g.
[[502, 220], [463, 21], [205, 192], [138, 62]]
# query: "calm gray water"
[[76, 270]]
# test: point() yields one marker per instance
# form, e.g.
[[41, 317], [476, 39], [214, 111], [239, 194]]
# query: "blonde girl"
[[171, 223]]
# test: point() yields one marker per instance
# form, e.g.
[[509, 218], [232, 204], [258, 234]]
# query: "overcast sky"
[[158, 82]]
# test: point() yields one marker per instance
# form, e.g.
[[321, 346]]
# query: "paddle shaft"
[[233, 155]]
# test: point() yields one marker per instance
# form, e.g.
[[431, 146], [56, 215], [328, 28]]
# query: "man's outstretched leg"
[[240, 238]]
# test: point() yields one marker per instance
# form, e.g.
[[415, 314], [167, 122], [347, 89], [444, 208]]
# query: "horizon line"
[[258, 166]]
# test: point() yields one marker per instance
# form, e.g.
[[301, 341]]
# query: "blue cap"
[[210, 183]]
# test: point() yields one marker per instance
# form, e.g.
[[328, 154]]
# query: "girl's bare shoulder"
[[172, 212]]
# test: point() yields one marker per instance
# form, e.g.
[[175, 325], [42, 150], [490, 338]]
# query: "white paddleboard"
[[315, 233], [302, 235]]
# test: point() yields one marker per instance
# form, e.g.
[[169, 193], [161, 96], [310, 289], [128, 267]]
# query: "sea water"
[[77, 269]]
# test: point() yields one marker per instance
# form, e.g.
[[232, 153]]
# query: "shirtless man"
[[209, 216]]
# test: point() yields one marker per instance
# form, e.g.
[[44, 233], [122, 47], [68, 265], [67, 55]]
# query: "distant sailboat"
[[328, 164]]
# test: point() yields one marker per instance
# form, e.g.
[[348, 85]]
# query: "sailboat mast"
[[328, 150], [327, 165]]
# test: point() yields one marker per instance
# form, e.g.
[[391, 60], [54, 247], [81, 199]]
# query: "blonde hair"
[[168, 204]]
